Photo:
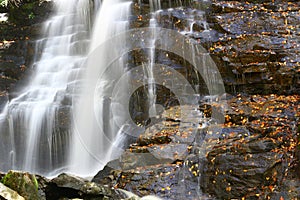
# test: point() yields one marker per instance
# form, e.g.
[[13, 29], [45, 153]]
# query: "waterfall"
[[94, 128], [34, 132]]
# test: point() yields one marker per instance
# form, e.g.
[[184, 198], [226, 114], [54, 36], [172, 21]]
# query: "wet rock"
[[103, 175], [254, 45], [132, 160], [153, 155], [171, 152], [69, 181], [239, 175], [227, 6], [265, 138], [24, 183], [161, 137], [156, 179], [67, 186]]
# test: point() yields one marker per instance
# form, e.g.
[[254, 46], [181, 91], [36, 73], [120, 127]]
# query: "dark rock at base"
[[68, 181], [68, 186]]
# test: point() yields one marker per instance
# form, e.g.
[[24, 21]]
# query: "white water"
[[94, 129], [30, 133], [150, 67]]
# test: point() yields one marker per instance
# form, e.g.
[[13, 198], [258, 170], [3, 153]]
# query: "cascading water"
[[32, 133], [94, 130]]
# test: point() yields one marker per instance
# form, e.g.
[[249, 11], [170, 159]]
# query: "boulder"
[[69, 186]]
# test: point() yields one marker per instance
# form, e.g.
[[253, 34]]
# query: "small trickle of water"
[[150, 72]]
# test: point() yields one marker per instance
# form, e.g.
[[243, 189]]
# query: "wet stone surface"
[[252, 155], [259, 45]]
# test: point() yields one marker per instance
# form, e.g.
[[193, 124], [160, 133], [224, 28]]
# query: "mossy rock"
[[24, 183]]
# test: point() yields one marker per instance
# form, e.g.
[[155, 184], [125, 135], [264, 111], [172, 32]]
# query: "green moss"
[[24, 183], [35, 182], [6, 178]]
